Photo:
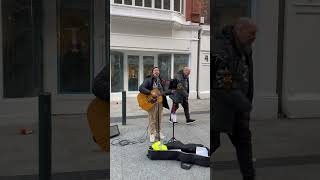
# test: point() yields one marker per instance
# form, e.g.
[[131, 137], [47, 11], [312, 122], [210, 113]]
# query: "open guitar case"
[[178, 151]]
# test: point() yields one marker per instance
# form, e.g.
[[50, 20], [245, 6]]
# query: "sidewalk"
[[74, 154], [284, 149], [131, 163]]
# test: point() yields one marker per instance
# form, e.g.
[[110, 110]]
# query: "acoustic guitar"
[[146, 102], [99, 122]]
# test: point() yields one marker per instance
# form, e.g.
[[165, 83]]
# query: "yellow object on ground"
[[158, 146]]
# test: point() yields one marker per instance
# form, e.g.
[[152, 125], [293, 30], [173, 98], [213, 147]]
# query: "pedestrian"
[[181, 94], [233, 91]]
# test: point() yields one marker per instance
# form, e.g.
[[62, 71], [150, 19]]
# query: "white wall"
[[265, 14], [301, 88], [157, 38], [204, 66]]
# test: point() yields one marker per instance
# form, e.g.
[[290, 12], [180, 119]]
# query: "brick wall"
[[205, 11], [195, 9]]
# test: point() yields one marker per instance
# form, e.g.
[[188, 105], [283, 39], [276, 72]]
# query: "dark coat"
[[179, 95], [147, 86], [100, 85], [228, 56]]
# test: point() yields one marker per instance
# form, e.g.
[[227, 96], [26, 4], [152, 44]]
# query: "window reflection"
[[116, 72], [133, 73], [75, 46], [164, 64], [180, 61], [148, 64]]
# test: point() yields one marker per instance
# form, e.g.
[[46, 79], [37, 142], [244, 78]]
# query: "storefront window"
[[118, 1], [180, 61], [22, 75], [138, 2], [133, 73], [177, 5], [147, 3], [166, 4], [128, 2], [148, 64], [157, 4], [75, 55], [116, 72], [164, 64]]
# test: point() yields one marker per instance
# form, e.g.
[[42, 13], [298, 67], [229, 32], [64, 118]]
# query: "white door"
[[301, 90]]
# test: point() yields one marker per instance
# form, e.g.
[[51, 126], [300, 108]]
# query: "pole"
[[124, 108], [45, 136]]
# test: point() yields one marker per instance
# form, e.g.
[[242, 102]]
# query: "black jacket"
[[100, 85], [147, 86], [229, 56], [179, 95]]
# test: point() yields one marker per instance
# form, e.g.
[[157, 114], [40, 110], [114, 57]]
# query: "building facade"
[[59, 46], [163, 33]]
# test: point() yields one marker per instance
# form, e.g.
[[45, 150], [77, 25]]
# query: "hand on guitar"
[[154, 94]]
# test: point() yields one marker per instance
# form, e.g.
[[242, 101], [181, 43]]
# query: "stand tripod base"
[[173, 138]]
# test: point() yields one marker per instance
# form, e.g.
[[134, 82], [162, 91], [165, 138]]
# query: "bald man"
[[233, 91], [180, 96]]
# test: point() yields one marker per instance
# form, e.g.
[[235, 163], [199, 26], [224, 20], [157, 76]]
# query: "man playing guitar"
[[154, 86]]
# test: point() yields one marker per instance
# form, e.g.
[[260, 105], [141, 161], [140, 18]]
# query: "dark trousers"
[[241, 140], [185, 105]]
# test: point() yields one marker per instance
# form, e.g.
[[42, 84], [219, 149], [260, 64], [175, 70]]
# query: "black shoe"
[[189, 121], [249, 178]]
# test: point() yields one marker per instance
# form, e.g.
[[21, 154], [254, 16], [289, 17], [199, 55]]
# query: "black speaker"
[[114, 131]]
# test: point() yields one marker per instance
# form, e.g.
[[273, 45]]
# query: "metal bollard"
[[45, 136], [124, 108]]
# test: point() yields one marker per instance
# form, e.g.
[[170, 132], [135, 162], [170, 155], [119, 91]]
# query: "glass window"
[[147, 3], [116, 72], [128, 2], [138, 3], [148, 64], [180, 61], [21, 67], [164, 64], [182, 6], [75, 61], [118, 1], [177, 5], [133, 73], [166, 4], [157, 4]]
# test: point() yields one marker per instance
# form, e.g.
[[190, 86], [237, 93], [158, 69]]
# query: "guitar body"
[[99, 122], [146, 102]]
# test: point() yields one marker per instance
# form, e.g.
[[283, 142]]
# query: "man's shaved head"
[[245, 30]]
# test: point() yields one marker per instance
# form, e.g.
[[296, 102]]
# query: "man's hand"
[[154, 94]]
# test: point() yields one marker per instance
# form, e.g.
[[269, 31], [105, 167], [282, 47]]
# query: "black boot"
[[189, 121]]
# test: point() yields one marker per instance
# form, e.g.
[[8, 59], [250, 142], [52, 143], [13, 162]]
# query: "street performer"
[[151, 82]]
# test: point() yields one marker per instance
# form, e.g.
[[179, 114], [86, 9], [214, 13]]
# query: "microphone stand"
[[173, 123]]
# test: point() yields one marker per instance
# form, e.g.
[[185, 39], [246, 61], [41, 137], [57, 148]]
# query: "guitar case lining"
[[180, 152]]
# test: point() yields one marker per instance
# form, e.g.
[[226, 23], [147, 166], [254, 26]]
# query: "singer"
[[150, 83]]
